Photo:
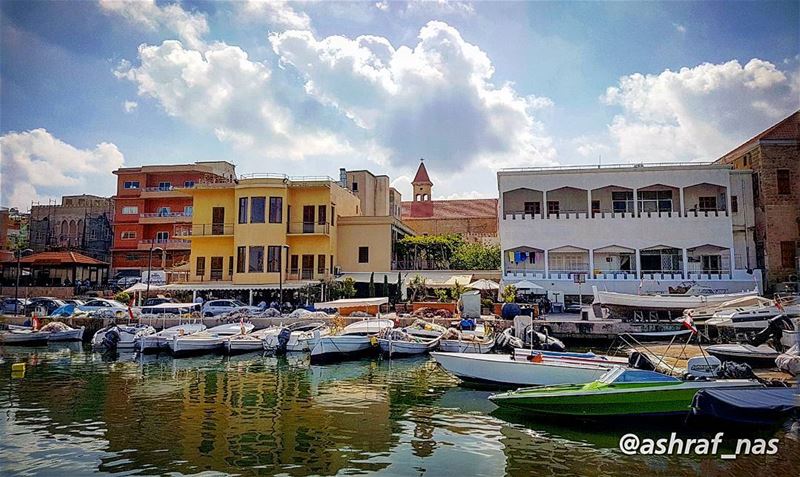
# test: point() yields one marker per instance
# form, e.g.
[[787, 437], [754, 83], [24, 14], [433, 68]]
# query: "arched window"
[[64, 229], [73, 228]]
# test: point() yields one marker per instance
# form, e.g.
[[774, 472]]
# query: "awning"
[[526, 285], [484, 285], [352, 303], [140, 287], [433, 279], [290, 285]]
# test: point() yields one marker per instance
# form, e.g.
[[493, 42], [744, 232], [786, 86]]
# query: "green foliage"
[[348, 289], [372, 285], [457, 290], [123, 297], [398, 293], [441, 294], [487, 303], [509, 294], [446, 252], [418, 287], [475, 256]]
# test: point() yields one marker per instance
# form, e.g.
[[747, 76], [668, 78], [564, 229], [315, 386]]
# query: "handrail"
[[573, 167]]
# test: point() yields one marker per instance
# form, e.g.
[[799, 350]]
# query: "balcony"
[[308, 228], [168, 244], [158, 192], [164, 218], [205, 230]]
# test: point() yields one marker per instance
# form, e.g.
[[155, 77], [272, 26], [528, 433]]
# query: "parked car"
[[102, 304], [159, 300], [573, 307], [42, 303], [218, 307], [8, 308]]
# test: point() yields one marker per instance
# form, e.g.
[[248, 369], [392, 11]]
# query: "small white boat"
[[245, 343], [232, 329], [467, 341], [197, 343], [694, 298], [300, 337], [57, 331], [525, 370], [121, 337], [702, 314], [761, 356], [752, 318], [399, 342], [354, 339], [153, 343], [23, 337]]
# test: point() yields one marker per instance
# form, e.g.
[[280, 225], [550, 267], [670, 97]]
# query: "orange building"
[[152, 207]]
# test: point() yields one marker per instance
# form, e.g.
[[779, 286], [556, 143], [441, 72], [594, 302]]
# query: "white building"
[[689, 222]]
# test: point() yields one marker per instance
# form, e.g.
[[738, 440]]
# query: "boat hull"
[[22, 338], [188, 347], [334, 348], [664, 302], [405, 348], [74, 334]]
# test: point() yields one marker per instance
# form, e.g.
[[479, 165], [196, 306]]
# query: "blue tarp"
[[64, 310], [755, 406]]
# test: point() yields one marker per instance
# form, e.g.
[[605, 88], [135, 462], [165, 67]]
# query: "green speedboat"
[[619, 392]]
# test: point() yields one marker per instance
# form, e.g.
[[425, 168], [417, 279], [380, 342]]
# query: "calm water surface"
[[76, 413]]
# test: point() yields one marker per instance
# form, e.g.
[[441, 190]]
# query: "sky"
[[304, 88]]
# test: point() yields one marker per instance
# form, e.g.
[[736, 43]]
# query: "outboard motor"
[[283, 340], [111, 338], [638, 360], [774, 330]]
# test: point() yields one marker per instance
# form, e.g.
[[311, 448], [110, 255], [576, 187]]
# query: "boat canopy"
[[630, 375], [747, 406]]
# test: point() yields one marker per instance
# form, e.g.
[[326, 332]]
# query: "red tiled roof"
[[457, 209], [788, 129], [60, 258], [422, 175]]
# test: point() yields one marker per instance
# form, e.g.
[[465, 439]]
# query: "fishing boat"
[[155, 342], [120, 337], [301, 334], [245, 343], [231, 329], [57, 330], [761, 356], [619, 392], [196, 343], [527, 367], [467, 341], [400, 342], [23, 337], [695, 297], [355, 339]]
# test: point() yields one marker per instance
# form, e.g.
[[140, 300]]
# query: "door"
[[218, 221], [216, 268], [307, 272], [308, 220]]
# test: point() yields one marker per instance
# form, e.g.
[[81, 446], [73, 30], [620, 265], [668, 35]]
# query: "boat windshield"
[[628, 375]]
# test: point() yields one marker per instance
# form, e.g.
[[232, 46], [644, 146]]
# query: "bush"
[[509, 294], [123, 297], [442, 294]]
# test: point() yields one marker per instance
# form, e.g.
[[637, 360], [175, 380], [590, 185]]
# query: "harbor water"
[[75, 412]]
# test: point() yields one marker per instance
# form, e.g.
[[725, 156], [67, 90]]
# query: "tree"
[[399, 291], [418, 288], [372, 285], [509, 294], [348, 289], [457, 290], [385, 285], [476, 256]]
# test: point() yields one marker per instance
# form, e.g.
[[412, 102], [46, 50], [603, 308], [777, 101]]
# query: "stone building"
[[774, 158], [474, 219], [80, 222]]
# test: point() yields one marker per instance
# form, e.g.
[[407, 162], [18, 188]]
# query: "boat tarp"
[[352, 303], [746, 406]]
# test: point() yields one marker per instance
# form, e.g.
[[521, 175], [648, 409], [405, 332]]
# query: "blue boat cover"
[[755, 406]]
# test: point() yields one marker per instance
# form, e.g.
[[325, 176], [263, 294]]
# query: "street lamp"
[[150, 268], [20, 253]]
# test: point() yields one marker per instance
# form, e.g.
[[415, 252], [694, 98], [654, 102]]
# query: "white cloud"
[[698, 113], [129, 106], [190, 27], [435, 100], [278, 13], [223, 91], [37, 166], [440, 7], [383, 5], [679, 28]]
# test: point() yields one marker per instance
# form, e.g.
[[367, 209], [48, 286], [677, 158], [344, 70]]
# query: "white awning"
[[140, 287], [526, 285], [484, 284], [352, 303], [290, 285]]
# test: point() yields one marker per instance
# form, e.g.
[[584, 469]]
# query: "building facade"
[[628, 227], [473, 219], [153, 210], [774, 159], [15, 231], [378, 198], [80, 222]]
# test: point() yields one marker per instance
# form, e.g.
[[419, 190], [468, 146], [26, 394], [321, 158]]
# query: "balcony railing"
[[300, 228], [610, 214], [203, 230], [164, 214], [164, 244]]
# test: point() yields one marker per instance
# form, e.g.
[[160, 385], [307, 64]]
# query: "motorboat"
[[356, 338], [23, 337], [467, 341], [527, 367], [301, 334], [245, 343], [120, 337], [57, 330], [761, 356], [155, 342], [232, 329], [401, 342], [744, 319], [746, 406], [197, 343], [693, 298], [701, 314], [619, 392]]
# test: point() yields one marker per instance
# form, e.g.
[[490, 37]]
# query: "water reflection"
[[77, 412]]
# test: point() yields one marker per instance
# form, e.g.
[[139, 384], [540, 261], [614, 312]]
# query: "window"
[[256, 259], [240, 259], [363, 254], [784, 182], [200, 269], [188, 210], [788, 254], [164, 185], [756, 187], [552, 207], [622, 201], [708, 203], [216, 268], [230, 265], [242, 210], [162, 236], [294, 265], [164, 211], [711, 263], [132, 257], [321, 264], [355, 186], [655, 201], [322, 214], [257, 205], [275, 210], [273, 259], [333, 215], [131, 184], [130, 210], [532, 208], [128, 234], [595, 207], [734, 204], [188, 184]]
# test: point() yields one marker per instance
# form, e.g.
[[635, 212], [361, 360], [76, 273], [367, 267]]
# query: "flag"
[[35, 322], [779, 305], [688, 323]]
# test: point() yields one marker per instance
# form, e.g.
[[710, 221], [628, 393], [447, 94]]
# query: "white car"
[[218, 307], [103, 304]]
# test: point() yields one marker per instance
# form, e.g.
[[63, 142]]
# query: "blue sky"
[[305, 88]]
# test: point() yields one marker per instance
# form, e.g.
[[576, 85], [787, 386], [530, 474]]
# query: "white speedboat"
[[121, 337], [702, 314], [467, 341], [155, 342], [354, 339], [232, 329], [694, 298], [533, 369], [197, 343], [301, 335], [245, 343], [399, 342], [57, 331], [23, 337], [755, 318], [761, 356]]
